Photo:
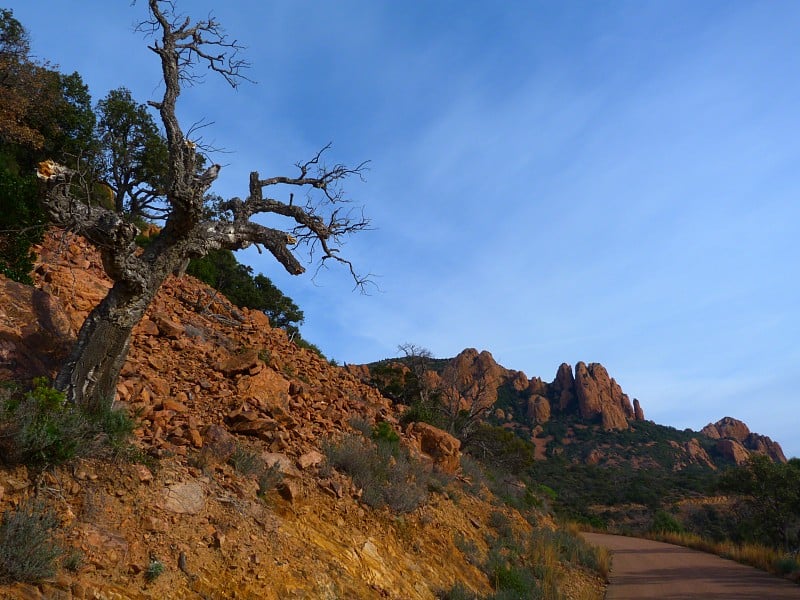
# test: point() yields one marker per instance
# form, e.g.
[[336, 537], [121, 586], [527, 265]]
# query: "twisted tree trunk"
[[191, 229], [91, 372]]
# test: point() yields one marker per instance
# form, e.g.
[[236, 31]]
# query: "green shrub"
[[250, 464], [268, 479], [28, 549], [384, 432], [385, 472], [154, 569], [467, 547], [22, 224], [38, 427], [502, 524], [663, 522], [515, 581], [786, 565], [246, 462]]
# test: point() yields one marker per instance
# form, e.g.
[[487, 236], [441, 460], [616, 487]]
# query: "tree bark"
[[89, 376]]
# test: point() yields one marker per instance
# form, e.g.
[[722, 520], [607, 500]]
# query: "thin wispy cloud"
[[550, 182]]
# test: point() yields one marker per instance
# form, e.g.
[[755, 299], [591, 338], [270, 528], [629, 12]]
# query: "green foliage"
[[663, 522], [787, 565], [154, 570], [246, 462], [269, 478], [73, 560], [458, 592], [14, 40], [132, 154], [28, 548], [223, 272], [250, 464], [40, 428], [43, 114], [501, 448], [572, 548], [384, 470], [21, 225], [769, 500], [385, 433], [44, 429], [301, 342]]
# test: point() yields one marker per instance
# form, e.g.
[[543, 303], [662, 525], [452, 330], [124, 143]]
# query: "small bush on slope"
[[38, 428], [383, 469], [28, 551]]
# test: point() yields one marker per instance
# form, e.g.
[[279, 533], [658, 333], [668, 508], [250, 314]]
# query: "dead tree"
[[190, 230]]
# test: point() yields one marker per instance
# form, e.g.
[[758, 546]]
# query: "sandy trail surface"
[[646, 569]]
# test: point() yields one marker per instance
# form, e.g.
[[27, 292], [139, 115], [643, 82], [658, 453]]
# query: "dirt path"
[[646, 569]]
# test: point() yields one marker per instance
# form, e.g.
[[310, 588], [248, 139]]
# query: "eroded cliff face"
[[590, 393]]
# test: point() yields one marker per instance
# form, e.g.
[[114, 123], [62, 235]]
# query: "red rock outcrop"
[[727, 427], [600, 396], [732, 450], [698, 454], [638, 413], [442, 447], [475, 376], [762, 444], [538, 409], [564, 388], [734, 429]]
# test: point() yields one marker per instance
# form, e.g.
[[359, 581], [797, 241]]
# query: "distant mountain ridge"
[[584, 397]]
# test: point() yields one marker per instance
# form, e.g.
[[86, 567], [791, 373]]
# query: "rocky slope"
[[203, 379]]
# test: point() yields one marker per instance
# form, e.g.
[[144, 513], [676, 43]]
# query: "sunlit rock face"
[[728, 428]]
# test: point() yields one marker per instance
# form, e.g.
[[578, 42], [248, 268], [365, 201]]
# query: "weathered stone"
[[310, 459], [564, 388], [289, 490], [174, 405], [143, 473], [167, 327], [731, 428], [238, 363], [538, 409], [282, 462], [266, 388], [147, 327], [733, 450], [600, 397], [184, 498], [218, 444], [638, 413], [442, 447], [727, 427], [195, 438], [697, 454]]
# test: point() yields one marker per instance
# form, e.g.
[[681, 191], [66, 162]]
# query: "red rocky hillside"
[[203, 379]]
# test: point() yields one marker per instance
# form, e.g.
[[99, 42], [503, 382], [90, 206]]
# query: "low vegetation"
[[29, 549], [382, 468], [37, 427], [530, 562], [756, 555], [251, 465]]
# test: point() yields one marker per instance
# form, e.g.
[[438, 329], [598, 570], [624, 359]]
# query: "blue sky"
[[609, 182]]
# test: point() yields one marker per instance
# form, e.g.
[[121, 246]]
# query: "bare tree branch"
[[193, 225]]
